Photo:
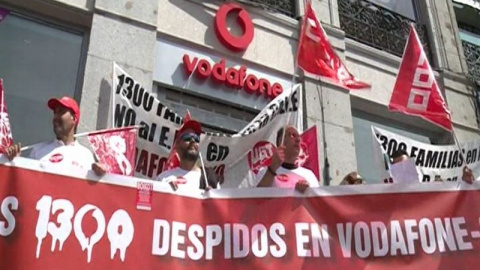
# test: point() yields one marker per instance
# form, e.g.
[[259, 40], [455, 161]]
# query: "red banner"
[[52, 221]]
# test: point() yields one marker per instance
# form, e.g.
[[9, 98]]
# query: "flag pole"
[[464, 161], [326, 170], [114, 74], [77, 135], [203, 169]]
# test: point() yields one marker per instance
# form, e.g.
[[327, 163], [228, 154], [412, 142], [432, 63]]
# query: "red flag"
[[6, 138], [173, 160], [308, 156], [115, 149], [315, 54], [416, 91]]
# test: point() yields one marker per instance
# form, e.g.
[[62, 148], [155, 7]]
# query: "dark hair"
[[279, 135], [399, 153]]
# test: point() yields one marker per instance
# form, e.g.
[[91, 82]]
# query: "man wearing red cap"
[[64, 149], [188, 176]]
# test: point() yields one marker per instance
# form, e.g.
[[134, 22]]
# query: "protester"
[[64, 150], [188, 176], [282, 171], [399, 156], [352, 178], [467, 175], [402, 169]]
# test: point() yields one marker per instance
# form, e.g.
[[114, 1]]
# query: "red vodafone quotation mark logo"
[[230, 41]]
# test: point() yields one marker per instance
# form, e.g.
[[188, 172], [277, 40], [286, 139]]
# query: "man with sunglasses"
[[283, 172], [188, 176]]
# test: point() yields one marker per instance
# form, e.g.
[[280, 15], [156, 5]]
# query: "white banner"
[[432, 161], [235, 157]]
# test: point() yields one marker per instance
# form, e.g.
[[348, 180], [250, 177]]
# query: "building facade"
[[67, 47]]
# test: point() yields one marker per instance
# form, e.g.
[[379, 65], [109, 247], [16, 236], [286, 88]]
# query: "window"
[[404, 7], [362, 123], [383, 24], [469, 31], [286, 7], [38, 61], [215, 116]]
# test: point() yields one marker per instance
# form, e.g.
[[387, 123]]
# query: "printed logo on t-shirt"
[[56, 158], [180, 180], [282, 177], [287, 180]]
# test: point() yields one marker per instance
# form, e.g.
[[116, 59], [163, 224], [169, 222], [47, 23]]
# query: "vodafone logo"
[[229, 40], [56, 158], [260, 156]]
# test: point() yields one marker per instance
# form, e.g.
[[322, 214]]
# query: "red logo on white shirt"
[[56, 158], [282, 177], [180, 180]]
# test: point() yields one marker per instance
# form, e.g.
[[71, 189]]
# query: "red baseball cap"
[[66, 102], [191, 124]]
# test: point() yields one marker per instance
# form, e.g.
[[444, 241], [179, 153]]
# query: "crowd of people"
[[282, 172]]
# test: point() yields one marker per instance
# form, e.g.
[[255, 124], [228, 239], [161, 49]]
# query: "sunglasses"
[[189, 136]]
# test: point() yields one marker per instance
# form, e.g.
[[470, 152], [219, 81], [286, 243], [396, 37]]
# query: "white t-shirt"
[[187, 181], [286, 178], [57, 153]]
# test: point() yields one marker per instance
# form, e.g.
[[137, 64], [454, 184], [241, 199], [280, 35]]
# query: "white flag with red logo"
[[115, 149], [315, 54], [6, 138], [416, 91], [173, 159], [308, 157]]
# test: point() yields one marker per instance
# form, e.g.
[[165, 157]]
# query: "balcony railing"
[[472, 56], [286, 7], [378, 27]]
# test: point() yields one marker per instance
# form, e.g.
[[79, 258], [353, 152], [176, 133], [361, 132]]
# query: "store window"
[[215, 116], [37, 61], [362, 123]]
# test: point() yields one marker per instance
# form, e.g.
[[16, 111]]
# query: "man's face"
[[292, 142], [187, 145], [63, 121]]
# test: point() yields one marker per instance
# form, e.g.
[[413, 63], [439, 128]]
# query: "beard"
[[190, 155], [61, 130]]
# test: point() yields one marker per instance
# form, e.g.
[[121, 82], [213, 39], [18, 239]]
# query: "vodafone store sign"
[[232, 77]]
